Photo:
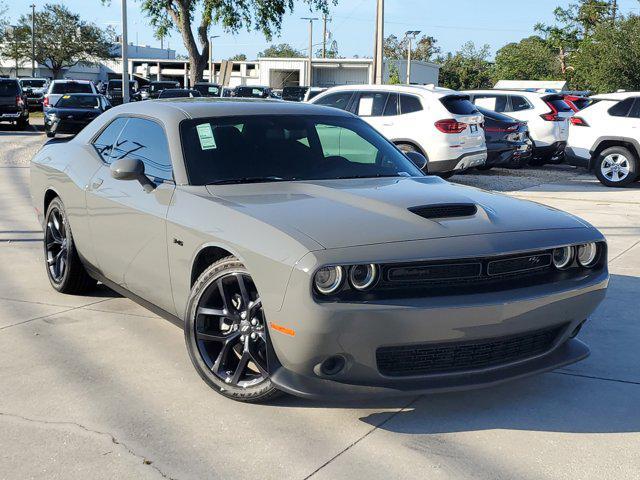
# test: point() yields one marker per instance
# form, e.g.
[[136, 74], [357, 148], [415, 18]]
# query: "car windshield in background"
[[251, 92], [208, 90], [78, 101], [162, 86], [9, 88], [459, 105], [33, 83], [71, 87], [266, 148]]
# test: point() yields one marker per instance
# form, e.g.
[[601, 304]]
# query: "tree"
[[531, 58], [238, 57], [424, 49], [468, 68], [63, 39], [394, 74], [282, 50], [15, 44], [609, 59], [231, 16]]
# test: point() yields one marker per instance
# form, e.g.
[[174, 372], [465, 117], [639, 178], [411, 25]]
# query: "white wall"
[[422, 73]]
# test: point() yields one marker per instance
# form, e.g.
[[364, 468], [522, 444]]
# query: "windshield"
[[9, 88], [71, 87], [287, 147], [162, 85], [208, 90], [78, 101], [33, 83]]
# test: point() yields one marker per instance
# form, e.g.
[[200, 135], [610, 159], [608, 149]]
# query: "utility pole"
[[378, 46], [125, 58], [614, 7], [310, 67], [33, 39], [211, 72], [324, 36], [410, 35]]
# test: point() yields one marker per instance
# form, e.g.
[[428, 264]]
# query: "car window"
[[409, 104], [336, 100], [104, 143], [371, 104], [33, 83], [497, 103], [391, 108], [78, 101], [9, 88], [621, 109], [519, 103], [635, 109], [558, 104], [287, 147], [146, 140], [459, 105], [71, 87]]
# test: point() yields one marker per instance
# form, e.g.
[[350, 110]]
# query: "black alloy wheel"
[[56, 245], [226, 333]]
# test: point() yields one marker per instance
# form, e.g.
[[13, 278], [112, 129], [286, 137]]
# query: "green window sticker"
[[205, 134]]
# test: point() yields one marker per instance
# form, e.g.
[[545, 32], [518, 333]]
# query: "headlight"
[[363, 277], [563, 257], [328, 280], [588, 255]]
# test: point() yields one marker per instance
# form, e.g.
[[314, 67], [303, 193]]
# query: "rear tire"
[[65, 270], [617, 167], [226, 333]]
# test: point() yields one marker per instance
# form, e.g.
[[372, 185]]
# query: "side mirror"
[[418, 160], [131, 169]]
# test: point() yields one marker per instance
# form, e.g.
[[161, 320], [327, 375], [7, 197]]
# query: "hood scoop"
[[445, 210]]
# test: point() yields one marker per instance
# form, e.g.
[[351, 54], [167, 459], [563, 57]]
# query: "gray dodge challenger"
[[302, 252]]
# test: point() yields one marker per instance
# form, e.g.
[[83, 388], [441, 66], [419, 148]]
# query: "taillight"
[[450, 126], [19, 101], [578, 122], [45, 102], [552, 116], [509, 129]]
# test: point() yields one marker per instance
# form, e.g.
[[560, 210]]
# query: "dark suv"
[[13, 103]]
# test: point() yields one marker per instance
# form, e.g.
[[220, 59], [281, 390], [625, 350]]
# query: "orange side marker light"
[[281, 329]]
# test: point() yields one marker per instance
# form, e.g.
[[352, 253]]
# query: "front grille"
[[447, 210], [454, 357], [9, 109]]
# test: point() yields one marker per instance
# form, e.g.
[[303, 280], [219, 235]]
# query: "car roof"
[[416, 89], [177, 109], [615, 96], [70, 80], [78, 94], [512, 91]]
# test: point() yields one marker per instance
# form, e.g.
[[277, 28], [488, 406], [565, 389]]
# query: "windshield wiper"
[[232, 181]]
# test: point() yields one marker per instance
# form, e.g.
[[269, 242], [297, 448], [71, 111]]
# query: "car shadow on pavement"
[[598, 395]]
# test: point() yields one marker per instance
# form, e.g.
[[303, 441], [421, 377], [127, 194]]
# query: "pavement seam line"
[[592, 377], [38, 303], [354, 443], [50, 315], [114, 440], [625, 251], [536, 199]]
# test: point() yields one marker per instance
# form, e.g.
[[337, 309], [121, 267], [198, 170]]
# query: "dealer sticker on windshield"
[[205, 134]]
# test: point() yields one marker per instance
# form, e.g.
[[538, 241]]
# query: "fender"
[[600, 140]]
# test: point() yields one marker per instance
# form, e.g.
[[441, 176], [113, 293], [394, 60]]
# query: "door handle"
[[387, 124], [97, 183]]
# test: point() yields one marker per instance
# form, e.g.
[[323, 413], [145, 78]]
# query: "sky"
[[492, 22]]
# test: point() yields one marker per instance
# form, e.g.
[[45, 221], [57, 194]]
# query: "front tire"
[[226, 333], [617, 167], [65, 270], [51, 134]]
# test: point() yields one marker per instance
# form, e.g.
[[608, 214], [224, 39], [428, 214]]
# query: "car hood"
[[343, 213]]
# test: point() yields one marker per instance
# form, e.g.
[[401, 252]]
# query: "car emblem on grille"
[[534, 260]]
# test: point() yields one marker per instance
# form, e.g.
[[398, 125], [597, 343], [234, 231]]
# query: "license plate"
[[474, 128]]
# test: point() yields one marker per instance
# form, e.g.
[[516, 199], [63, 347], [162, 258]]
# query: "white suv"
[[547, 116], [439, 123], [605, 137], [58, 88]]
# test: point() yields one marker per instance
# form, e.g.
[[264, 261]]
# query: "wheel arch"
[[207, 255], [49, 195], [399, 141], [607, 142]]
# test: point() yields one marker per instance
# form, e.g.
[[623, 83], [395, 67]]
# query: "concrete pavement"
[[98, 387]]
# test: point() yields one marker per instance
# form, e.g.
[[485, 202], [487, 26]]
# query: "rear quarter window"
[[9, 88], [459, 105], [621, 109], [336, 100], [409, 104]]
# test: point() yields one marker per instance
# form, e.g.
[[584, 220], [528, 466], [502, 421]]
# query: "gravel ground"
[[18, 147]]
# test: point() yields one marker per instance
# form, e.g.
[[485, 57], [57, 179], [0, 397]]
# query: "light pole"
[[309, 67], [33, 40], [125, 57], [211, 73], [410, 35], [378, 45]]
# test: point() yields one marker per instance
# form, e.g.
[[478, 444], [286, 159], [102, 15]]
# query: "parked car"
[[227, 92], [34, 89], [605, 138], [58, 88], [254, 92], [73, 112], [114, 91], [156, 87], [439, 123], [143, 92], [208, 89], [302, 252], [547, 116], [179, 93], [13, 103], [508, 142], [294, 94]]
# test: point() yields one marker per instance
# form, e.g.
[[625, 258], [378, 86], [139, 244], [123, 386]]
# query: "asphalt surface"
[[97, 387]]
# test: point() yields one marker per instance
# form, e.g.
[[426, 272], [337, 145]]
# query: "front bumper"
[[355, 331]]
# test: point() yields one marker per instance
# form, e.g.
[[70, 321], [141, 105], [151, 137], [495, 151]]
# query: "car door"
[[627, 117], [370, 107], [128, 224]]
